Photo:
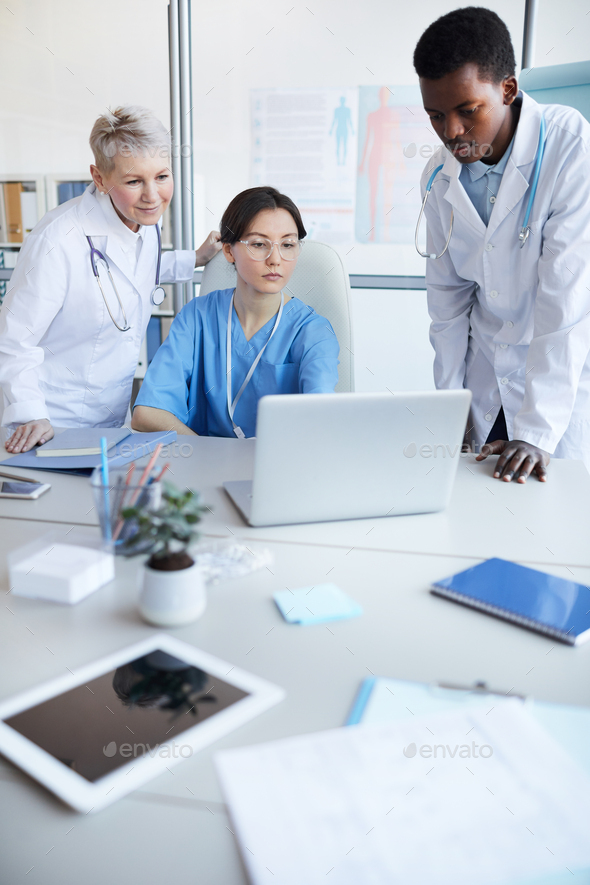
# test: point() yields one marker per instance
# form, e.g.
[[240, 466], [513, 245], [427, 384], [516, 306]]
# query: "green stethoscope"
[[525, 229]]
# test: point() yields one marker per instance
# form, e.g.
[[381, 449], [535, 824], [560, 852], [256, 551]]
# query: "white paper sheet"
[[347, 807]]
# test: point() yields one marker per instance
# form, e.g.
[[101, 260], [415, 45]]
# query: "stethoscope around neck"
[[525, 230], [231, 404], [157, 294]]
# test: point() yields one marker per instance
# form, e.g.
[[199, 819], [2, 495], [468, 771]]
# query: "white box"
[[60, 572]]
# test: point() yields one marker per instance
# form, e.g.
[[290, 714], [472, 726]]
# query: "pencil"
[[121, 521], [146, 473], [163, 471]]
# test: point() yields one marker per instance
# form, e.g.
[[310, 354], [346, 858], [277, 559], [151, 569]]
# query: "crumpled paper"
[[223, 560]]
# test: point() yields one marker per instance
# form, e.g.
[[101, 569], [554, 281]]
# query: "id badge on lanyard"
[[231, 406]]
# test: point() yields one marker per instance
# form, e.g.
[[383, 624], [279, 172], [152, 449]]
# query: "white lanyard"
[[231, 407]]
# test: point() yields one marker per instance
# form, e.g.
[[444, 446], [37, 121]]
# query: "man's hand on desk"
[[518, 459], [25, 437]]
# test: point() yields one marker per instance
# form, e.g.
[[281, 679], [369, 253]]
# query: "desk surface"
[[176, 828], [544, 523], [320, 667]]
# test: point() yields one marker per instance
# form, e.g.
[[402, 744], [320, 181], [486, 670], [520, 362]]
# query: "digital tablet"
[[96, 735]]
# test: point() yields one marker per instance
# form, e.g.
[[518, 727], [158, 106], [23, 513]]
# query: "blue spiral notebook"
[[133, 447], [553, 606]]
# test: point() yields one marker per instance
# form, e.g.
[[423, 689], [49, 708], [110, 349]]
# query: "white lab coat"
[[61, 356], [512, 324]]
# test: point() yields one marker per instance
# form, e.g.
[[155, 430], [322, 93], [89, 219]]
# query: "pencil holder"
[[122, 492]]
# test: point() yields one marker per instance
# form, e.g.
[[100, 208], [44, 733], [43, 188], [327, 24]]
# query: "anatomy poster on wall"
[[304, 142], [395, 141]]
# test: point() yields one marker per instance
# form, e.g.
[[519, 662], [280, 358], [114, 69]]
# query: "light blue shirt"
[[187, 376], [482, 183]]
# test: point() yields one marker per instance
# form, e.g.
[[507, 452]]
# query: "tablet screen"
[[126, 713], [19, 488]]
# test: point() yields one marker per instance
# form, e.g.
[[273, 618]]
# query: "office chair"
[[321, 281]]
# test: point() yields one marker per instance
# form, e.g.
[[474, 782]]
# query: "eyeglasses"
[[260, 248]]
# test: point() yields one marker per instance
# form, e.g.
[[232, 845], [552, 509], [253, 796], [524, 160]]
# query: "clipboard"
[[382, 700]]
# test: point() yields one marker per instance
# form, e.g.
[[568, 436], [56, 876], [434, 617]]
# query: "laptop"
[[334, 456]]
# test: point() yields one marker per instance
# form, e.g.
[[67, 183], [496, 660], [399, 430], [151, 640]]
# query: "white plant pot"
[[171, 599]]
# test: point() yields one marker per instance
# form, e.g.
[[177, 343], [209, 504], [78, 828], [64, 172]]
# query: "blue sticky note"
[[313, 605]]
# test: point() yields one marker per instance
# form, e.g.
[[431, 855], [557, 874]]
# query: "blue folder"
[[133, 447]]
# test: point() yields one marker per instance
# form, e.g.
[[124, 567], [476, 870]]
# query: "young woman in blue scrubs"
[[227, 349]]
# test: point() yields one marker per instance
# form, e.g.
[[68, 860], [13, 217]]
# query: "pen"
[[105, 482]]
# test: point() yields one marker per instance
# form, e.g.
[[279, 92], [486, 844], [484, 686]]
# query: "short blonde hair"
[[129, 130]]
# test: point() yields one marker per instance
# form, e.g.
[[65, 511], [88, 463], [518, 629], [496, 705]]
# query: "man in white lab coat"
[[69, 349], [511, 324]]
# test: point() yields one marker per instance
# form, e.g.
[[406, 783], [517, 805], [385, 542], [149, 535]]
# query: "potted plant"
[[172, 587]]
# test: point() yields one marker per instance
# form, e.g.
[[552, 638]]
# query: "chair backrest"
[[321, 281]]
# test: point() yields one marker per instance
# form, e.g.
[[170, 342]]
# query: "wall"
[[391, 346], [563, 33], [62, 62]]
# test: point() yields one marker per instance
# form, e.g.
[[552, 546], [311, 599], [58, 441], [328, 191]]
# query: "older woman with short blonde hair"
[[85, 283]]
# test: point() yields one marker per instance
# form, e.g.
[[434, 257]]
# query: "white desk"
[[141, 840], [320, 668], [163, 832], [543, 523]]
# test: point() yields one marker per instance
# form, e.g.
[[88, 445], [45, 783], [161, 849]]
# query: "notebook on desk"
[[544, 603], [76, 441], [133, 447]]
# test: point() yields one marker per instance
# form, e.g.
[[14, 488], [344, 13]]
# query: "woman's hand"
[[33, 433], [518, 459], [208, 249]]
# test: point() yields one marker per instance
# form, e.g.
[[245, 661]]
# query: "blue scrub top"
[[187, 376]]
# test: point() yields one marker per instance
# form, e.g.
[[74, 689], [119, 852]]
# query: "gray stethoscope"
[[525, 229], [157, 296]]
